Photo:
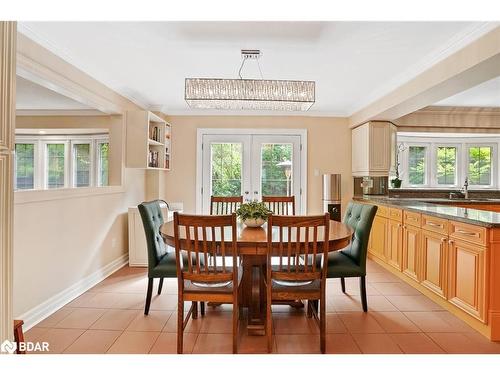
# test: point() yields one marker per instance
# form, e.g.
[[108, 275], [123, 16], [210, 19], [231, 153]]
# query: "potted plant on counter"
[[396, 181], [253, 214]]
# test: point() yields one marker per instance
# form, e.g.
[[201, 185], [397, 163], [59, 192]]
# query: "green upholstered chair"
[[161, 262], [351, 261]]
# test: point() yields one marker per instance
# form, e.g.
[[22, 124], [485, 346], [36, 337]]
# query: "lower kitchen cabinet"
[[378, 237], [434, 262], [411, 252], [467, 282], [395, 244]]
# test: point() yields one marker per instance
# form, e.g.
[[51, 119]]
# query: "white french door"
[[252, 166]]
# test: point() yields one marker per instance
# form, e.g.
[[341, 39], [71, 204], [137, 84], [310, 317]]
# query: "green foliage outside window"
[[55, 168], [276, 160], [480, 165], [416, 165], [446, 165], [226, 169], [25, 154]]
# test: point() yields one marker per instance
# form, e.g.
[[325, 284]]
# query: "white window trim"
[[494, 164], [405, 165], [463, 144], [458, 165], [40, 153]]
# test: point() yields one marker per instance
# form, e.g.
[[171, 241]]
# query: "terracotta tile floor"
[[109, 319]]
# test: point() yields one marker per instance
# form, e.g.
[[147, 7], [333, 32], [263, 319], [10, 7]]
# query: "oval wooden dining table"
[[252, 247]]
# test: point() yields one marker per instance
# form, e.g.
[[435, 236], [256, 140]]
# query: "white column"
[[8, 32]]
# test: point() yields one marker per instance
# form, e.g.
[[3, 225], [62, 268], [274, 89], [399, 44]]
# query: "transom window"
[[445, 162], [54, 162]]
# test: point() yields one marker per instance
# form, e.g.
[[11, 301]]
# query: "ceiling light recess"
[[249, 94]]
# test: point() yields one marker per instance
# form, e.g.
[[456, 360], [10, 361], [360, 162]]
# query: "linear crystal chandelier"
[[249, 94]]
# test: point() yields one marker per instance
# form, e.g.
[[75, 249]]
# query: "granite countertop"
[[467, 215]]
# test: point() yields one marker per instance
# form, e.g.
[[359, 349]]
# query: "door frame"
[[250, 131]]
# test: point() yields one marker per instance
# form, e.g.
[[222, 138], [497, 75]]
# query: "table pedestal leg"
[[254, 293]]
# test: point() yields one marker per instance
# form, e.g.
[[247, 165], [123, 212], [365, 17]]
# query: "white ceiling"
[[353, 63], [30, 96], [487, 94]]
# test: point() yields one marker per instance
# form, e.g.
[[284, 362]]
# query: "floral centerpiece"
[[396, 181], [253, 214]]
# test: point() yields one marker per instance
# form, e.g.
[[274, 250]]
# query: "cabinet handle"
[[443, 239], [466, 233], [433, 224], [450, 242]]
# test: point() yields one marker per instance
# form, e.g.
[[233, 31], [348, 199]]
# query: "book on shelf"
[[153, 159], [154, 133]]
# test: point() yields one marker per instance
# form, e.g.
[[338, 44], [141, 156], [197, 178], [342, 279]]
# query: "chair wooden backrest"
[[199, 236], [280, 205], [224, 205], [297, 248]]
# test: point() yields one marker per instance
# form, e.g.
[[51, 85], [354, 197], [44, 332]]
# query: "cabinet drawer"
[[435, 224], [412, 218], [468, 232], [396, 214], [383, 211]]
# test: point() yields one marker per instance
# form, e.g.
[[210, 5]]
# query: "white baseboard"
[[43, 310]]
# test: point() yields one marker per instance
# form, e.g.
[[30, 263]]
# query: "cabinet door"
[[395, 244], [434, 262], [411, 252], [378, 237], [467, 278], [360, 150], [380, 147]]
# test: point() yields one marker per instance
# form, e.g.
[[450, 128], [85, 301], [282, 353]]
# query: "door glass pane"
[[226, 160], [446, 165], [103, 164], [416, 165], [55, 166], [81, 164], [276, 172], [480, 165], [25, 164]]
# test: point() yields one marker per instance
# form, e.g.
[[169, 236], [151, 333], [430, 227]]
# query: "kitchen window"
[[445, 162], [55, 162]]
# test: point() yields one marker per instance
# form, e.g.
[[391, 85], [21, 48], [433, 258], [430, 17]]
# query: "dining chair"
[[351, 261], [212, 281], [224, 205], [161, 261], [297, 241], [280, 205]]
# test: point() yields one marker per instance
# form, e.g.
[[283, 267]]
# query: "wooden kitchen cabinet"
[[373, 149], [412, 253], [467, 277], [434, 262], [378, 237], [395, 244]]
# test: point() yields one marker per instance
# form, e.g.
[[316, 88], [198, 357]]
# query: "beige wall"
[[329, 151], [59, 242]]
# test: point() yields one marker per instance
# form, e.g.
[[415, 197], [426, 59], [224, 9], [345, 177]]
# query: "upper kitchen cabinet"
[[374, 149]]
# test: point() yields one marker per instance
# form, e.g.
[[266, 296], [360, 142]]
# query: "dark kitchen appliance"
[[332, 196]]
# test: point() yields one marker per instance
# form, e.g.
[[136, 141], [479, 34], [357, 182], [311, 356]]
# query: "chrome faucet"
[[464, 189]]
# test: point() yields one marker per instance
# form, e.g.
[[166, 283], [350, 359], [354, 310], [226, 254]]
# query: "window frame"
[[405, 163], [82, 141], [36, 164], [458, 165], [41, 159], [494, 164], [98, 141]]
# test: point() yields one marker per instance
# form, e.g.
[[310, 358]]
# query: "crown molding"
[[452, 110], [59, 112]]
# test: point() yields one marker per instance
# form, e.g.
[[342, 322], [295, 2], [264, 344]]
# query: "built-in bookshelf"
[[148, 141]]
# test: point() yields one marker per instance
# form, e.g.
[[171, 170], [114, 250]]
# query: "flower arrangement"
[[396, 181], [253, 214]]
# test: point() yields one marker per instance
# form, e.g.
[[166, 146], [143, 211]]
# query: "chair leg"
[[322, 322], [160, 286], [235, 326], [202, 308], [309, 308], [269, 323], [148, 296], [180, 324], [342, 284], [362, 289], [195, 310]]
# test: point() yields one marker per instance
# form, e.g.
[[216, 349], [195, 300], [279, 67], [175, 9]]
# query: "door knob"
[[246, 192], [256, 192]]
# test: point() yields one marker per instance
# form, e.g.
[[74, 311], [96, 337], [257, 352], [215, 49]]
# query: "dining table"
[[252, 248]]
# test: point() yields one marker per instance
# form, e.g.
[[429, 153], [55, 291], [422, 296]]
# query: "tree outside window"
[[446, 165], [480, 165], [416, 165]]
